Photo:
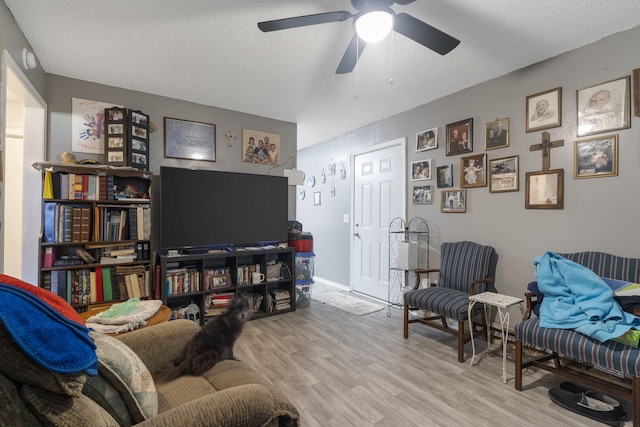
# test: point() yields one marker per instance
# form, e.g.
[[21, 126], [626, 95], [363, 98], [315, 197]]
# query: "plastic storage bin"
[[304, 267], [303, 295]]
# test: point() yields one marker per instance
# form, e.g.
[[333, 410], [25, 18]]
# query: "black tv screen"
[[204, 208]]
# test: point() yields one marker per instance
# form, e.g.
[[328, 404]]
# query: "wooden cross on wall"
[[546, 147]]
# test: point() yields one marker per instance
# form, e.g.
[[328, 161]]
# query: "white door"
[[22, 144], [379, 189]]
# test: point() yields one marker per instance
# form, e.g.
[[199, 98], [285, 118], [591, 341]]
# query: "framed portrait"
[[422, 195], [139, 158], [473, 171], [316, 198], [596, 157], [496, 134], [453, 201], [427, 139], [139, 118], [139, 132], [421, 170], [445, 176], [544, 110], [115, 142], [115, 129], [460, 137], [189, 140], [262, 147], [604, 107], [115, 156], [544, 189], [503, 174], [636, 92]]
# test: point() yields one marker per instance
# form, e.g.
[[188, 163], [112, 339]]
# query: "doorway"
[[21, 144], [379, 196]]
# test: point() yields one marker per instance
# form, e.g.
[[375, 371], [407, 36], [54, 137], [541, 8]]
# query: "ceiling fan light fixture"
[[374, 26]]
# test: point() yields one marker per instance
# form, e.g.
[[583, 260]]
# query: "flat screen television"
[[201, 209]]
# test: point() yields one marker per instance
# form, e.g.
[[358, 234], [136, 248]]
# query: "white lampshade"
[[374, 26]]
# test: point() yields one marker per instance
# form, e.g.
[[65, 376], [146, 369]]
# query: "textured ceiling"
[[211, 52]]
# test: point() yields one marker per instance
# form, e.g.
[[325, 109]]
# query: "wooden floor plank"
[[345, 370]]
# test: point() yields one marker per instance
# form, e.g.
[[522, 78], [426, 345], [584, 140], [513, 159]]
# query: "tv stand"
[[211, 280]]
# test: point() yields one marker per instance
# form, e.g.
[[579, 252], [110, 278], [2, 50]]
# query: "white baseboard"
[[331, 283]]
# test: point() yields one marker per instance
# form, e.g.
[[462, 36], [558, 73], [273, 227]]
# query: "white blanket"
[[127, 322]]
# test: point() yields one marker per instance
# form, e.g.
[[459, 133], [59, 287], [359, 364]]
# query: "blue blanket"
[[576, 298], [47, 336]]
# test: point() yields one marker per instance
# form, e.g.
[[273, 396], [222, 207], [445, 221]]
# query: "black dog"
[[212, 344]]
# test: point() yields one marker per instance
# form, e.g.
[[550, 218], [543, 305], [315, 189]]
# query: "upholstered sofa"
[[124, 393], [611, 366]]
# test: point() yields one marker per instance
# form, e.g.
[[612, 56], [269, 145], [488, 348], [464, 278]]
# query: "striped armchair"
[[610, 357], [466, 268]]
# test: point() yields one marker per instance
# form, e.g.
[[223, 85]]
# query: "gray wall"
[[599, 214], [62, 89]]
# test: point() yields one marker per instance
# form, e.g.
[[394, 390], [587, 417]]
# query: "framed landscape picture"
[[596, 157], [427, 140], [473, 171], [604, 107], [496, 134], [545, 189], [544, 110], [636, 92], [453, 201], [503, 174], [460, 137], [184, 139]]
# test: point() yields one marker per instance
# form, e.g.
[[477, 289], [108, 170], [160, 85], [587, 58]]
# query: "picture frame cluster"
[[601, 109], [126, 138]]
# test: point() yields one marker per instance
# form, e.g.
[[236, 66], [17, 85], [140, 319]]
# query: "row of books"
[[66, 256], [182, 280], [68, 223], [85, 286], [216, 304], [281, 299], [244, 273], [71, 186]]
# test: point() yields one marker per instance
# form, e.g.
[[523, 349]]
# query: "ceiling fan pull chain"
[[392, 51], [357, 68]]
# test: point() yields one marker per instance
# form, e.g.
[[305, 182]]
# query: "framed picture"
[[117, 129], [427, 140], [503, 174], [115, 114], [460, 137], [316, 198], [636, 92], [261, 147], [445, 176], [496, 134], [421, 170], [604, 107], [596, 157], [544, 189], [115, 142], [139, 158], [139, 118], [189, 140], [544, 110], [422, 195], [453, 201], [115, 156], [473, 171], [138, 145], [139, 132]]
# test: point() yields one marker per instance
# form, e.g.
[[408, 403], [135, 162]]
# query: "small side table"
[[502, 302]]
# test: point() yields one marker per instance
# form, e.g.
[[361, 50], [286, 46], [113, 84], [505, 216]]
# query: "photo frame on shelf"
[[260, 147], [636, 92], [422, 195], [427, 139], [503, 174], [138, 140], [544, 110], [184, 139], [421, 170], [496, 134], [445, 176], [115, 138], [460, 137], [473, 171], [604, 107], [453, 201], [596, 157], [545, 189]]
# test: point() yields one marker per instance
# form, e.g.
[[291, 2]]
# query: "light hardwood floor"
[[345, 370]]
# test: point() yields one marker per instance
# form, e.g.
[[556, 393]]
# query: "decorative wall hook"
[[231, 136]]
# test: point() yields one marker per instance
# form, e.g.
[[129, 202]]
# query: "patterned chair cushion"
[[612, 357], [450, 303], [463, 262]]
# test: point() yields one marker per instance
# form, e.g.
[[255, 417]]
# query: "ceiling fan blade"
[[351, 55], [425, 34], [303, 21]]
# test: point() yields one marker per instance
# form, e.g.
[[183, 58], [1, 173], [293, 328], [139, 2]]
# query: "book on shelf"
[[85, 256], [85, 224], [49, 257]]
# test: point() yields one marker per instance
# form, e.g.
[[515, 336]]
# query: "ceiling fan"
[[402, 23]]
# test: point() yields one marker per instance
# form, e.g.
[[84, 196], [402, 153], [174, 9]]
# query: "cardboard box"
[[408, 255]]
